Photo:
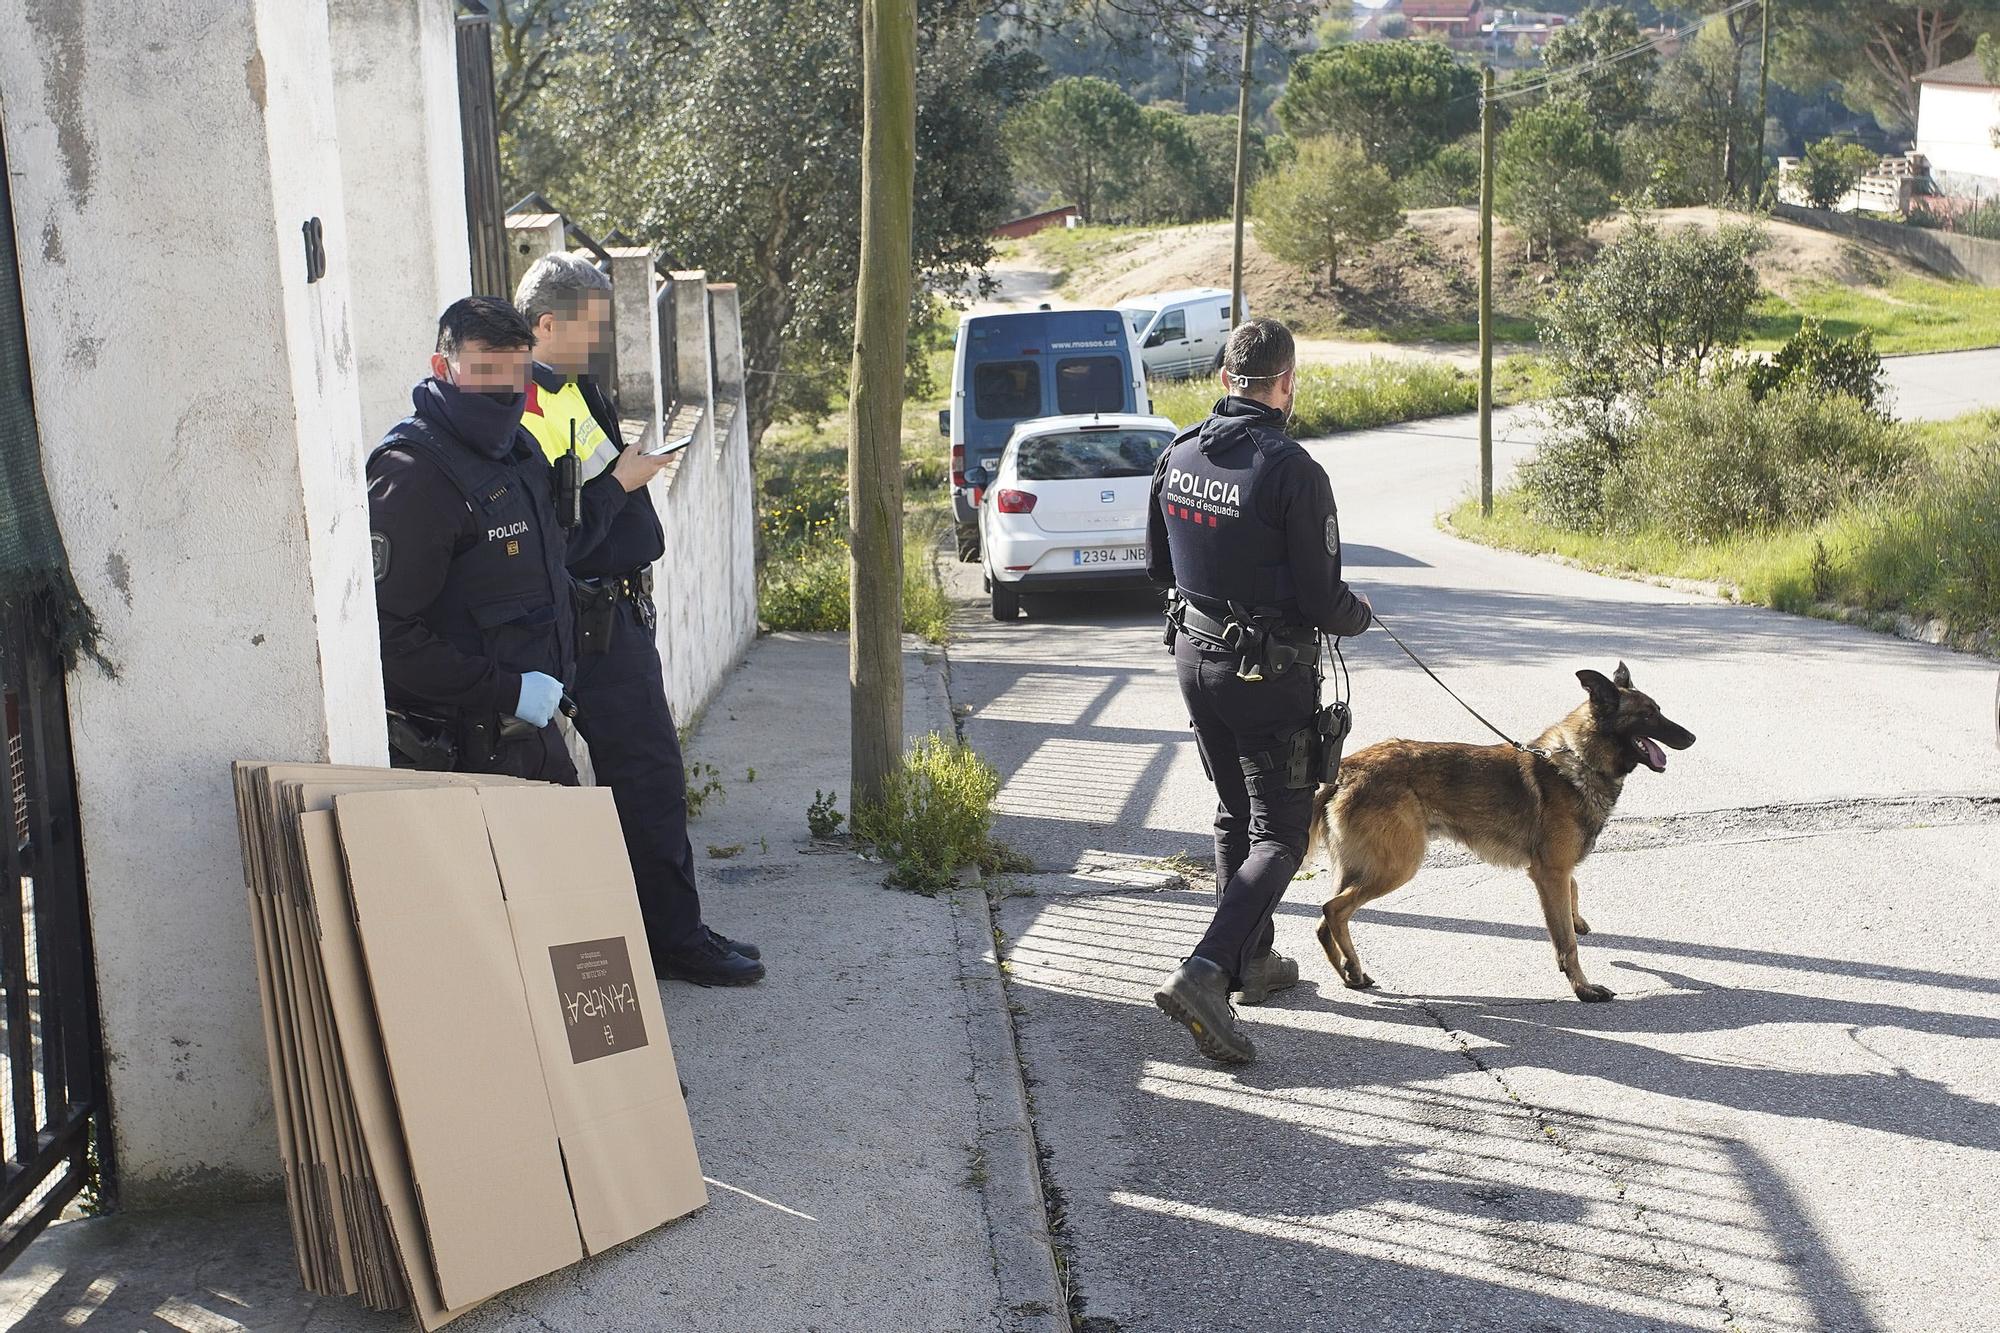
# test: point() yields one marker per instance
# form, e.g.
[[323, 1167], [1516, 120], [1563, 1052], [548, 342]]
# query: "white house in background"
[[1957, 110]]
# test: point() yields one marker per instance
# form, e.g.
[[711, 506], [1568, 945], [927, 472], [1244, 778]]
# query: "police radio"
[[569, 484]]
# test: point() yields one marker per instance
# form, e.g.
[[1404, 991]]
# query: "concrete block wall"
[[706, 583], [1968, 258]]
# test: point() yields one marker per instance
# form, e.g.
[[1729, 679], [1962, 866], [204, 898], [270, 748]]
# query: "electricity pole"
[[1486, 292], [875, 395], [1242, 162], [1763, 95]]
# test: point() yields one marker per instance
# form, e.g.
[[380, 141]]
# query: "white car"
[[1064, 509]]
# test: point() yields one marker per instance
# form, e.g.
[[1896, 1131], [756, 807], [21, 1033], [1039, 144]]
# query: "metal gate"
[[53, 1118], [479, 130], [52, 1099]]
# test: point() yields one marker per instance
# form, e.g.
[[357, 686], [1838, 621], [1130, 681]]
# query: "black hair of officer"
[[1243, 525], [485, 321]]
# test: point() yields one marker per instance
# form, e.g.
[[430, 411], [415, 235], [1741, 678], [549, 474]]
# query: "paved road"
[[1790, 1119]]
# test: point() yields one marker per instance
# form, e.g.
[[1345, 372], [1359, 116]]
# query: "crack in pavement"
[[1657, 1242]]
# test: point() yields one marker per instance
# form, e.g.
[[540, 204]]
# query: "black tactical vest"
[[506, 596], [1222, 550]]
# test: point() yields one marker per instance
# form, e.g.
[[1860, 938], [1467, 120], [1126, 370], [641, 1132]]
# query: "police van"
[[1181, 333], [1039, 363]]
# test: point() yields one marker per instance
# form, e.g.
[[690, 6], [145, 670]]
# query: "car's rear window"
[[1007, 390], [1088, 455], [1090, 384]]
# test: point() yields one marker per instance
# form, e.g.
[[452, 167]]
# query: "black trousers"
[[621, 709], [1245, 733]]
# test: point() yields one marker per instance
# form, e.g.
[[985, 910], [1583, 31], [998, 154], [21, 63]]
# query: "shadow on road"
[[1386, 1169]]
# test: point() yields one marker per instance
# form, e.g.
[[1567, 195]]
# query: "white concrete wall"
[[202, 440], [706, 583], [1955, 129], [395, 73]]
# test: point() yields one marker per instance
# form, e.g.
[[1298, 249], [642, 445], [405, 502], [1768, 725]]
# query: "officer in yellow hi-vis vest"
[[620, 692]]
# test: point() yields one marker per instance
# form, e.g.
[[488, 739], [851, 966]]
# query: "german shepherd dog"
[[1506, 806]]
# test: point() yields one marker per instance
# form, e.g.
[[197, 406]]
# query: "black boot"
[[1197, 997], [706, 963], [1268, 971], [733, 946]]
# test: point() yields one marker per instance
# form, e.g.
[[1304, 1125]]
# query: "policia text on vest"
[[1243, 528]]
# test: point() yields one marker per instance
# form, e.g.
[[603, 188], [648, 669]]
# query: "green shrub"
[[805, 587], [1931, 548], [1563, 481], [1451, 179], [1378, 392], [1708, 460], [1830, 169], [935, 815], [1809, 357]]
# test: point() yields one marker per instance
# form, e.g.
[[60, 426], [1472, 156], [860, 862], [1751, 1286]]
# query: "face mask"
[[485, 419]]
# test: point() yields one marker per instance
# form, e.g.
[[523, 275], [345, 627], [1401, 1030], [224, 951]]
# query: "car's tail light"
[[1016, 502], [958, 465]]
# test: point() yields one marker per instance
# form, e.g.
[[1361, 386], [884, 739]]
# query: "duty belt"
[[635, 587], [1261, 643]]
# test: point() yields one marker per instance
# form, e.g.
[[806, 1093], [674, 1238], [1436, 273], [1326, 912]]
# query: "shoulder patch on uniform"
[[379, 547], [1333, 534]]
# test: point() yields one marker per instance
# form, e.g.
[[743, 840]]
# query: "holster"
[[596, 611], [1330, 736], [429, 744]]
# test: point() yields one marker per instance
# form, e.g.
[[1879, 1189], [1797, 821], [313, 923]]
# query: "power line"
[[1576, 71]]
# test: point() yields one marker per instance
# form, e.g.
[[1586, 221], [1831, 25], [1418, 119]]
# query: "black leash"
[[1524, 749]]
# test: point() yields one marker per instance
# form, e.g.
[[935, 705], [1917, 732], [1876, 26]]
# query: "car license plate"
[[1108, 555]]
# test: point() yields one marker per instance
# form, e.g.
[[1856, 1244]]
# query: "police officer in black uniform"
[[620, 689], [473, 600], [1243, 526]]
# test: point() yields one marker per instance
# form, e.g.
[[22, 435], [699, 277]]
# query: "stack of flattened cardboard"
[[469, 1059]]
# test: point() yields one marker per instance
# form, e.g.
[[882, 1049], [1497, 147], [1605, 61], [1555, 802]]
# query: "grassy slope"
[[1906, 313], [1910, 315], [1930, 551]]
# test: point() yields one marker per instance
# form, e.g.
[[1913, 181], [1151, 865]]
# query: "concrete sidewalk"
[[859, 1114]]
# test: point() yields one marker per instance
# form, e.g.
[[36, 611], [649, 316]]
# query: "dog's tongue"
[[1656, 758]]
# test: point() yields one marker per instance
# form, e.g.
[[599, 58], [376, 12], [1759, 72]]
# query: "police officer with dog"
[[472, 595], [1243, 526]]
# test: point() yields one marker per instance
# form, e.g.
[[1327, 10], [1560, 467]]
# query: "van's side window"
[[1007, 390], [1223, 315], [1171, 328], [1090, 384]]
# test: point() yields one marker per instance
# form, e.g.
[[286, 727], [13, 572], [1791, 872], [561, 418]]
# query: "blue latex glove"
[[539, 696]]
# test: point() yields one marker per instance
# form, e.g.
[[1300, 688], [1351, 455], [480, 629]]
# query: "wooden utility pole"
[[875, 394], [1763, 95], [1486, 292], [1242, 162]]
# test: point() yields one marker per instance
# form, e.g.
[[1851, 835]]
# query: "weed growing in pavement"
[[935, 816], [823, 820], [704, 784]]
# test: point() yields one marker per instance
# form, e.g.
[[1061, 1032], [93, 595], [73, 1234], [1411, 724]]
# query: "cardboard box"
[[470, 1061], [624, 1132]]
